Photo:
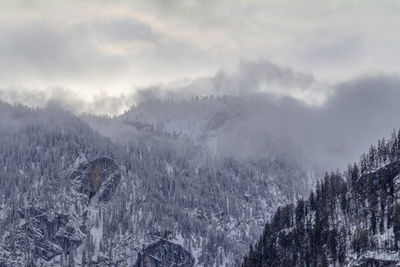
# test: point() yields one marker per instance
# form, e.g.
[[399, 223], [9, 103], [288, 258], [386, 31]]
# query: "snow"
[[396, 185], [179, 240], [196, 253], [169, 168], [97, 234], [139, 206], [80, 160], [21, 222]]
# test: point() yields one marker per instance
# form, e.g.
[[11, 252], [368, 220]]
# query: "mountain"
[[350, 219], [99, 191], [197, 118], [223, 126]]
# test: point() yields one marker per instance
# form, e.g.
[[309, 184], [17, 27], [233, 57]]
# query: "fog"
[[292, 113], [286, 112]]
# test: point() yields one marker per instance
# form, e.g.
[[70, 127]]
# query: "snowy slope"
[[196, 119], [71, 196], [223, 126]]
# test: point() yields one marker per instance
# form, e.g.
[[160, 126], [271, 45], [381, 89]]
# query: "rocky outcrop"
[[370, 262], [45, 233], [163, 254], [98, 177]]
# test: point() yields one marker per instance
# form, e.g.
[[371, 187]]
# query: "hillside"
[[224, 126], [70, 196], [348, 220]]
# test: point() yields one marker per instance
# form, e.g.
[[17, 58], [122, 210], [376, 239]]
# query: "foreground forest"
[[350, 219]]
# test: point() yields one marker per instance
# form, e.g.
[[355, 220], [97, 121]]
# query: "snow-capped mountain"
[[196, 118], [72, 196], [223, 126]]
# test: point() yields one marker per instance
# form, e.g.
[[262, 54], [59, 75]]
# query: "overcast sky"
[[107, 48]]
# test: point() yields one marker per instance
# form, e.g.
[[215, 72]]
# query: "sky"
[[104, 52]]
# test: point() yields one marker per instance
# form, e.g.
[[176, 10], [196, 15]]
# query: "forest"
[[349, 219]]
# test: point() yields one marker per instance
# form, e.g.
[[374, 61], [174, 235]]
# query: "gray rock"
[[369, 262], [93, 174], [163, 254]]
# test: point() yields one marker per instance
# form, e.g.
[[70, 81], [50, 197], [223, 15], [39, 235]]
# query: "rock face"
[[45, 234], [377, 263], [42, 234], [163, 254], [50, 233], [98, 176]]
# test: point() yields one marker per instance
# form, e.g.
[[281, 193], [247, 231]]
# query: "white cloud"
[[93, 46]]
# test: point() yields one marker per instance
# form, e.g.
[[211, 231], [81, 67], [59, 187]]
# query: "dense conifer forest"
[[350, 219]]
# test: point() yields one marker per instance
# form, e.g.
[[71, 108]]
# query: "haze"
[[326, 70]]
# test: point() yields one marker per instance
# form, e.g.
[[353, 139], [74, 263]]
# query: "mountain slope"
[[72, 197], [350, 220], [240, 128]]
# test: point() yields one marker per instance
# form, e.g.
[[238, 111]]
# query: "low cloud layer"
[[250, 77], [331, 130], [99, 104]]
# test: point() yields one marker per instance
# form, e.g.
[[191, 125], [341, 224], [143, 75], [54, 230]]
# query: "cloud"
[[99, 103], [352, 115], [41, 52], [334, 49], [355, 115], [103, 56], [89, 48], [348, 117], [92, 46], [250, 77], [360, 111], [125, 29]]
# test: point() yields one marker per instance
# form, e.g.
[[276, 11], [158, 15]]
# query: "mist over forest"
[[199, 133]]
